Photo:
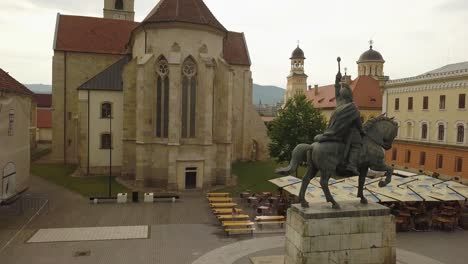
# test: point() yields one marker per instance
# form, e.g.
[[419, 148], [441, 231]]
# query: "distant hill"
[[40, 88], [267, 93]]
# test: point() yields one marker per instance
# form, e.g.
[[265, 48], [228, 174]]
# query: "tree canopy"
[[298, 122]]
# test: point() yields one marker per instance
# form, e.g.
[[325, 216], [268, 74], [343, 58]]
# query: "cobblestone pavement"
[[180, 233]]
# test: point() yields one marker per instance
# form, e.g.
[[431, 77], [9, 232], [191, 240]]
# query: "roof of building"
[[186, 11], [43, 100], [366, 93], [9, 84], [371, 55], [297, 53], [109, 79], [44, 118], [267, 119], [454, 70], [92, 34], [235, 50]]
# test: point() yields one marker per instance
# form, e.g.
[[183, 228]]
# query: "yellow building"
[[15, 127], [432, 115]]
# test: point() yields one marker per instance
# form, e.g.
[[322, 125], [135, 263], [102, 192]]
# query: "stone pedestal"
[[356, 233]]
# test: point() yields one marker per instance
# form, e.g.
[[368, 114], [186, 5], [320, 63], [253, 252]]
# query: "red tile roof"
[[9, 84], [235, 49], [187, 11], [92, 34], [43, 100], [44, 118], [366, 92]]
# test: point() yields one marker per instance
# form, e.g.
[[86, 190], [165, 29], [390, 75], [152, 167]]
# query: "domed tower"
[[371, 63], [297, 79]]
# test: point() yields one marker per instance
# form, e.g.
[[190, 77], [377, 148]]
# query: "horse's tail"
[[298, 155]]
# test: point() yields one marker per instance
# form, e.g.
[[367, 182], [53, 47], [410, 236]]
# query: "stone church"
[[166, 102]]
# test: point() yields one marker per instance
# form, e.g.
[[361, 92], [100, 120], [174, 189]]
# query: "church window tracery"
[[189, 92], [162, 99]]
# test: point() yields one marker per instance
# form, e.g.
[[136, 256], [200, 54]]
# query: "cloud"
[[454, 6]]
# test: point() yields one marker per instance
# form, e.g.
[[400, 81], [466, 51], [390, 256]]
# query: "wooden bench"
[[222, 211], [217, 195], [239, 230], [232, 217], [237, 223], [220, 200], [223, 205], [270, 220]]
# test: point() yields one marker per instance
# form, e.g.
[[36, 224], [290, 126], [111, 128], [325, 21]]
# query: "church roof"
[[109, 79], [366, 93], [235, 50], [9, 84], [298, 53], [371, 55], [92, 34], [186, 11]]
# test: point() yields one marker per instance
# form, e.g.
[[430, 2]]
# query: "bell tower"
[[297, 79], [119, 9]]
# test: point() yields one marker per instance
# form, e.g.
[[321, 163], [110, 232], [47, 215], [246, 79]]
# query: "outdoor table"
[[263, 209], [223, 205], [244, 194]]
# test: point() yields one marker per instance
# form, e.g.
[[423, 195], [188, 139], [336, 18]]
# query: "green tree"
[[298, 122]]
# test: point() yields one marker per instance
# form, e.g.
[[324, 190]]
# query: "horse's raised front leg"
[[388, 173], [324, 177], [362, 179]]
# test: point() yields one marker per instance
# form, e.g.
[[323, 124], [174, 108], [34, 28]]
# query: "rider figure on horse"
[[345, 126]]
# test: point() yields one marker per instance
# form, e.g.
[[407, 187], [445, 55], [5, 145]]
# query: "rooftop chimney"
[[316, 89]]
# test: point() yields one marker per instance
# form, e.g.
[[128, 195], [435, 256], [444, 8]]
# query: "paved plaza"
[[179, 233]]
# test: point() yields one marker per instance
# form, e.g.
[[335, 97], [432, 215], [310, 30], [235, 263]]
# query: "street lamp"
[[110, 149]]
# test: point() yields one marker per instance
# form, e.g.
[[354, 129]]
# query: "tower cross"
[[371, 43]]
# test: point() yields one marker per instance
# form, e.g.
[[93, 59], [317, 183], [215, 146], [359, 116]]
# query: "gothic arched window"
[[162, 98], [119, 4], [189, 96]]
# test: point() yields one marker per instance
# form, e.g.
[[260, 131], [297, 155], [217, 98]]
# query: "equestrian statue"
[[346, 148]]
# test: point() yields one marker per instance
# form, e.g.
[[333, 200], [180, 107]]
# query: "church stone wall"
[[80, 67]]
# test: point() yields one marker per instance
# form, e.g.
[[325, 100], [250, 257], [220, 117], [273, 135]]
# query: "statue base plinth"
[[355, 233]]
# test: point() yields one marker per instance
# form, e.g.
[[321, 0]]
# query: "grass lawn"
[[254, 176], [88, 187]]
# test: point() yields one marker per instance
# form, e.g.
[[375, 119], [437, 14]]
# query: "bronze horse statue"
[[379, 135]]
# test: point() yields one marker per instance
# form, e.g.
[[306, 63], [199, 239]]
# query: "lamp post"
[[110, 152]]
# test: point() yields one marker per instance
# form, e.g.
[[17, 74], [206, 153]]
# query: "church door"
[[191, 178]]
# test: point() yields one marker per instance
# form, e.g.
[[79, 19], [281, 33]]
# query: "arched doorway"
[[8, 181]]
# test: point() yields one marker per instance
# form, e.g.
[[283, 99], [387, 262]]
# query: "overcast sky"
[[413, 36]]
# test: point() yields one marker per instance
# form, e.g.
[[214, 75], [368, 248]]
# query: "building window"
[[460, 134], [189, 92], [11, 122], [439, 161], [441, 132], [422, 158], [106, 141], [408, 156], [162, 99], [458, 164], [410, 103], [461, 101], [442, 102], [119, 4], [409, 130], [106, 110], [424, 131], [394, 154], [425, 102]]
